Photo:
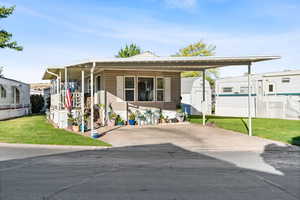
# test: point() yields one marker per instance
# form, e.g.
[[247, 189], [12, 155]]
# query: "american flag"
[[68, 103]]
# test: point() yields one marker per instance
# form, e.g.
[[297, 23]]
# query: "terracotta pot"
[[75, 128]]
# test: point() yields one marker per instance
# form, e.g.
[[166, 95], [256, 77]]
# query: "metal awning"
[[180, 64]]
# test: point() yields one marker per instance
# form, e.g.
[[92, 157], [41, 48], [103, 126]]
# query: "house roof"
[[180, 64]]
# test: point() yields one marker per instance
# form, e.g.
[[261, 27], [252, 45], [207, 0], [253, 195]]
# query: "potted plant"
[[162, 118], [75, 126], [132, 118], [119, 121], [112, 119]]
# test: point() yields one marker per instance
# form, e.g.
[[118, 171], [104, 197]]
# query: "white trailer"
[[192, 96], [14, 98], [275, 95]]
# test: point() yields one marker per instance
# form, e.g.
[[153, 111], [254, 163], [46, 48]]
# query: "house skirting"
[[9, 113]]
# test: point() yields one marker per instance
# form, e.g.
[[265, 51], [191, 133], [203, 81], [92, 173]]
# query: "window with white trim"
[[160, 89], [285, 80], [145, 88], [2, 92], [227, 89], [271, 88], [129, 88]]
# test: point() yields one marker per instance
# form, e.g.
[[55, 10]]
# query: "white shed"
[[192, 95], [14, 98]]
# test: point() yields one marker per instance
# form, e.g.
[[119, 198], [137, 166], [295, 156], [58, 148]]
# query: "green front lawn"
[[37, 130], [287, 131]]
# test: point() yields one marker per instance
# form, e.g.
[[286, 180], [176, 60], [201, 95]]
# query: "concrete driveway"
[[192, 137]]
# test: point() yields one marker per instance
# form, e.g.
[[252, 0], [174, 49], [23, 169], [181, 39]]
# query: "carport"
[[154, 63]]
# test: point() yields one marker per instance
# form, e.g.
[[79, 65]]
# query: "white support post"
[[59, 98], [249, 101], [92, 99], [66, 83], [203, 98], [82, 101]]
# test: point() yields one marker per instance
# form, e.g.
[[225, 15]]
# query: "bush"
[[37, 103]]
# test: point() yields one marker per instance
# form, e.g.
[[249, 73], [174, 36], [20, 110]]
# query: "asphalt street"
[[161, 171]]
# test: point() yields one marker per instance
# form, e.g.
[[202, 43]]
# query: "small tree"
[[37, 103], [5, 37], [129, 51], [199, 49]]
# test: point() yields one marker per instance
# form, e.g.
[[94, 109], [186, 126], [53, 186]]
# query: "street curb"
[[49, 146]]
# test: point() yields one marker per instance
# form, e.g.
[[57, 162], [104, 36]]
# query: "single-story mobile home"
[[192, 95], [123, 85], [275, 95], [14, 98]]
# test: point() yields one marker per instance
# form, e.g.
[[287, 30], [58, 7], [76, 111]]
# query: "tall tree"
[[6, 37], [199, 49], [128, 51], [1, 70]]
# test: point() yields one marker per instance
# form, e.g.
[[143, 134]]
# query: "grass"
[[37, 130], [287, 131]]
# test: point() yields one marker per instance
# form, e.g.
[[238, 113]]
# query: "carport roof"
[[193, 63]]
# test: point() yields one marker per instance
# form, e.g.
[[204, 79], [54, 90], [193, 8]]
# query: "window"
[[2, 92], [17, 96], [243, 90], [271, 88], [285, 80], [98, 83], [129, 88], [145, 89], [227, 89], [160, 89]]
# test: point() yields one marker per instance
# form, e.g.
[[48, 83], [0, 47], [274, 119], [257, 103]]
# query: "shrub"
[[37, 103]]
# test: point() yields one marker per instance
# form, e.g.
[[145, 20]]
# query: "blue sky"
[[55, 32]]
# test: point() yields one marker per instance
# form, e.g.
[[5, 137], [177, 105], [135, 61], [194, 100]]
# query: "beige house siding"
[[110, 84]]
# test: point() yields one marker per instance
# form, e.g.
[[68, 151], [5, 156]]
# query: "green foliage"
[[132, 116], [37, 130], [129, 51], [37, 103], [5, 37], [275, 129], [199, 49]]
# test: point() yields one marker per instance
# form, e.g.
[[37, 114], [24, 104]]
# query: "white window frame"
[[3, 91], [134, 88], [285, 80], [227, 92], [159, 89]]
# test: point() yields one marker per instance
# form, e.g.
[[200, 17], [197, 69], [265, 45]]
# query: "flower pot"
[[131, 122], [120, 123], [75, 128]]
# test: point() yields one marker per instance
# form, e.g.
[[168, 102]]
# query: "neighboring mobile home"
[[123, 85], [276, 95], [192, 96], [14, 98]]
